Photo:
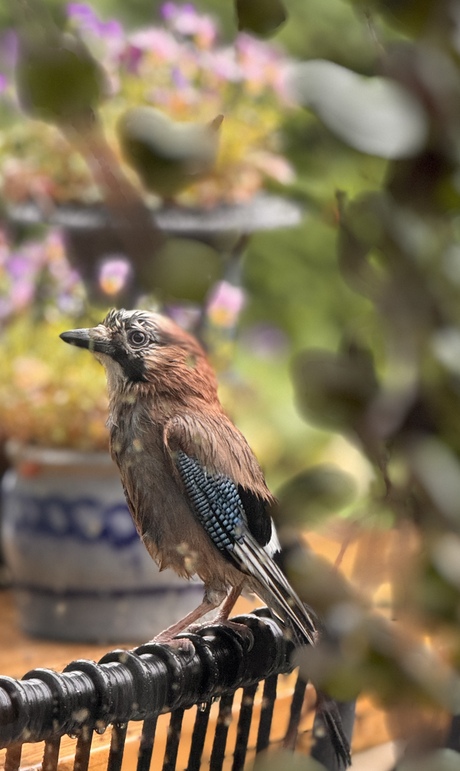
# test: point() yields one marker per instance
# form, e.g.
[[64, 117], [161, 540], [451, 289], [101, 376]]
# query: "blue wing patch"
[[220, 510], [216, 502]]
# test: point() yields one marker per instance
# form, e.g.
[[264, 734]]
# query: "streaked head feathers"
[[137, 346]]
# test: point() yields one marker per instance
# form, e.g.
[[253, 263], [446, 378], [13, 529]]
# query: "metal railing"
[[141, 684]]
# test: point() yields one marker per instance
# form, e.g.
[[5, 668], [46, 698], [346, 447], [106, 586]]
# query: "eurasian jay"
[[193, 486]]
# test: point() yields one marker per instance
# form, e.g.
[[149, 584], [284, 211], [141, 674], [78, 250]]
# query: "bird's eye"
[[137, 338]]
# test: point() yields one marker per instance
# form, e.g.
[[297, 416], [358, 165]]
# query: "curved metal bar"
[[135, 685]]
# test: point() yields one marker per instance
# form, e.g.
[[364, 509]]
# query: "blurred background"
[[281, 177]]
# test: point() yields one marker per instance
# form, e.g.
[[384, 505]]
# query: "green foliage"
[[335, 390], [57, 79], [390, 380], [260, 18], [364, 298], [167, 155], [313, 495], [185, 270]]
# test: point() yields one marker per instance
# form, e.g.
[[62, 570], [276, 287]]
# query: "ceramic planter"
[[79, 570]]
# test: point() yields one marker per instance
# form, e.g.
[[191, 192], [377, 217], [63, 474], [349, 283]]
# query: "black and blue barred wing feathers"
[[218, 505]]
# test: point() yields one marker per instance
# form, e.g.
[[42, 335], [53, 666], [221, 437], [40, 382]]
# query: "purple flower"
[[186, 315], [18, 267], [37, 274], [178, 66], [155, 41], [111, 28], [266, 340], [168, 10], [108, 33], [22, 293], [83, 14], [8, 56], [223, 63], [261, 64], [178, 78], [226, 303], [186, 21], [6, 307], [114, 273]]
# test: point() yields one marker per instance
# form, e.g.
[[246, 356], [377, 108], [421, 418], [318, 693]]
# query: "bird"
[[195, 489], [167, 155]]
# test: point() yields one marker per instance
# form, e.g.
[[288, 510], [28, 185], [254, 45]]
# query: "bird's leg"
[[225, 610], [168, 634], [229, 603]]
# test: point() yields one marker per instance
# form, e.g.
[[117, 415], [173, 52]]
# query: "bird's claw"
[[181, 644], [244, 633]]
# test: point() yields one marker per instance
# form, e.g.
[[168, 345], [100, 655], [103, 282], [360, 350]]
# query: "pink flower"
[[222, 62], [114, 273], [156, 41], [186, 21], [226, 303], [105, 38], [274, 166]]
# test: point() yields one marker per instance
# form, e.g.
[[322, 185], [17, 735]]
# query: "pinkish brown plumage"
[[194, 487], [166, 417]]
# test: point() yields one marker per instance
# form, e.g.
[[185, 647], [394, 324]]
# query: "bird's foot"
[[243, 632], [181, 644]]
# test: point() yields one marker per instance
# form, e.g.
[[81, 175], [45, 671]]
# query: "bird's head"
[[138, 347]]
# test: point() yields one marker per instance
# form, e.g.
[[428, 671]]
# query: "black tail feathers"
[[330, 729], [333, 725]]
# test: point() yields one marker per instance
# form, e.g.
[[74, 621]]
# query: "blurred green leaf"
[[412, 16], [374, 656], [437, 471], [314, 494], [409, 16], [334, 390], [360, 232], [434, 598], [167, 155], [185, 269], [374, 115], [57, 78], [316, 581], [261, 17]]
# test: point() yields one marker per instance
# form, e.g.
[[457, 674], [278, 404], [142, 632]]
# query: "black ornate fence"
[[141, 684]]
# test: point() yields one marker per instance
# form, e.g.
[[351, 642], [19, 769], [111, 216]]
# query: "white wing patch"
[[273, 546]]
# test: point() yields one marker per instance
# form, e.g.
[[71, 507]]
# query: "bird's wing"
[[216, 501], [225, 487], [222, 450]]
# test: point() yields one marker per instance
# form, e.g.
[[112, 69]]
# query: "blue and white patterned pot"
[[78, 568]]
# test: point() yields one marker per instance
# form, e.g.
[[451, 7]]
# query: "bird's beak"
[[87, 338]]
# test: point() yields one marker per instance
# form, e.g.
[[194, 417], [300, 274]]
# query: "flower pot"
[[79, 570]]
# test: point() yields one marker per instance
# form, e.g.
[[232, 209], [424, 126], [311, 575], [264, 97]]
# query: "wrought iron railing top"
[[132, 685], [140, 684]]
